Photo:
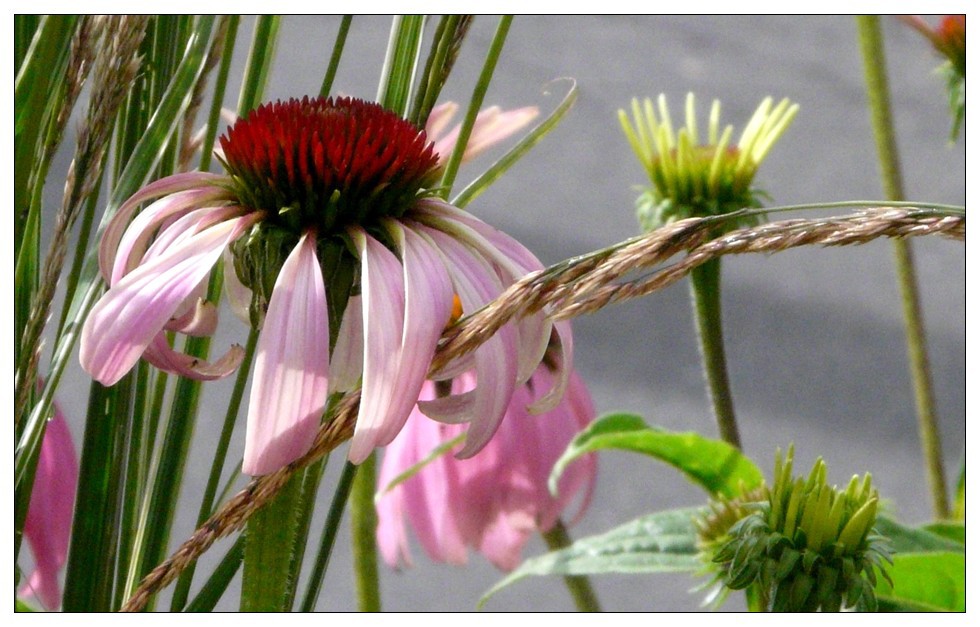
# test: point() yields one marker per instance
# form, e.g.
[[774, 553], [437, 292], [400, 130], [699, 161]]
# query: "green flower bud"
[[807, 545]]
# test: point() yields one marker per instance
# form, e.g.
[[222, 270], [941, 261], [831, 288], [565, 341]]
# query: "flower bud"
[[807, 545]]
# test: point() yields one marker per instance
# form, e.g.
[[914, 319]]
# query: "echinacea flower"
[[695, 179], [493, 501], [329, 215], [49, 514]]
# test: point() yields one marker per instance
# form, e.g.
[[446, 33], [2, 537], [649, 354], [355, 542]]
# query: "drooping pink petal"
[[200, 320], [504, 538], [49, 515], [476, 284], [516, 260], [136, 309], [289, 383], [139, 233], [239, 297], [428, 305], [494, 501], [533, 330], [159, 353], [383, 307], [580, 476], [430, 497], [117, 226]]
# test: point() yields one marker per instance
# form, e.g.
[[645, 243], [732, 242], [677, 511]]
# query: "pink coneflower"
[[494, 501], [330, 216], [49, 515]]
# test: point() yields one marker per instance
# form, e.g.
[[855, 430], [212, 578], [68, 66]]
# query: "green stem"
[[269, 562], [706, 295], [876, 78], [363, 522], [578, 586]]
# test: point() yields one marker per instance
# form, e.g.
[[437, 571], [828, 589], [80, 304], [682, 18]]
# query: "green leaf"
[[663, 542], [955, 531], [90, 572], [925, 582], [922, 539], [716, 466]]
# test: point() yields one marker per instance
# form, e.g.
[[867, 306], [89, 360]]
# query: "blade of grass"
[[338, 49], [259, 59], [328, 537], [401, 62], [89, 576], [44, 63], [213, 589], [495, 171], [442, 56], [476, 101], [220, 85], [145, 155], [183, 585]]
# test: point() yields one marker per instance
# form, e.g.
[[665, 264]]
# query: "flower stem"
[[579, 586], [706, 297], [876, 78], [363, 521]]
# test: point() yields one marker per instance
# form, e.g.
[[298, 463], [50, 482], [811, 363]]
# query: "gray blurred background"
[[815, 337]]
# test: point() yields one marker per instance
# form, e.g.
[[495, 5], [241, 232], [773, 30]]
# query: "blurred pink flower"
[[492, 125], [493, 501], [48, 522], [329, 209]]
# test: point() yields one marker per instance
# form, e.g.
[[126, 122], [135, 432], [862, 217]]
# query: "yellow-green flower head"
[[695, 178], [808, 546]]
